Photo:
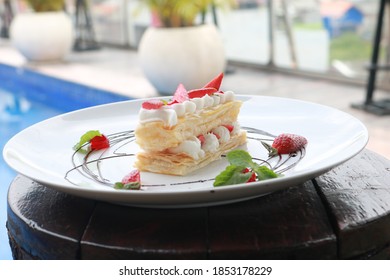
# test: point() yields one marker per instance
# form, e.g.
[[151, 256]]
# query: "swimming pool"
[[27, 97]]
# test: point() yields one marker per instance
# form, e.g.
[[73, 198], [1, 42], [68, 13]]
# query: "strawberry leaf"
[[271, 150], [232, 175]]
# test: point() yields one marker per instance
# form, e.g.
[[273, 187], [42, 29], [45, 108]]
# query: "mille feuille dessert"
[[187, 133]]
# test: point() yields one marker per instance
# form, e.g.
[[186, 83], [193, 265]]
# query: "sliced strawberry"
[[229, 127], [215, 83], [131, 181], [201, 92], [153, 104], [217, 135], [253, 176], [288, 143], [201, 139], [133, 176], [181, 94], [172, 102], [99, 142]]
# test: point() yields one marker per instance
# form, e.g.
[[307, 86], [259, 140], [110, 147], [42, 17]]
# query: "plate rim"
[[91, 193]]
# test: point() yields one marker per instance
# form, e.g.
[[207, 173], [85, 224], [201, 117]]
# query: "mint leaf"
[[132, 186], [86, 137], [263, 173], [240, 158], [118, 185], [231, 175], [127, 186]]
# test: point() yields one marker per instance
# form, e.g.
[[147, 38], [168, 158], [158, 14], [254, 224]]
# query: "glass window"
[[330, 37]]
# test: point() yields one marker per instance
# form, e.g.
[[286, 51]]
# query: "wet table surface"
[[343, 214]]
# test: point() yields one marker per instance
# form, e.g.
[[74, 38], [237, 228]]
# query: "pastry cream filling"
[[236, 128], [223, 133], [191, 147], [169, 114], [211, 143], [195, 149]]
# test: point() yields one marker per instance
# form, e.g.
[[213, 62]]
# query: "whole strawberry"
[[286, 143]]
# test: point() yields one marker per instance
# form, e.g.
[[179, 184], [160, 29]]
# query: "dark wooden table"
[[344, 214]]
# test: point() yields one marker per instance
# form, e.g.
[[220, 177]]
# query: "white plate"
[[43, 152]]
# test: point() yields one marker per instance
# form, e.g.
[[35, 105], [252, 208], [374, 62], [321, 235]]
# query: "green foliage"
[[350, 47], [85, 138], [179, 13], [234, 173], [46, 5]]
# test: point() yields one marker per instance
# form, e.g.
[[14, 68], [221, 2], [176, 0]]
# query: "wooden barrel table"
[[343, 214]]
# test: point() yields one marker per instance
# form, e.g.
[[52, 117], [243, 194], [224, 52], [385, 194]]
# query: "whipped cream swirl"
[[212, 140], [169, 114]]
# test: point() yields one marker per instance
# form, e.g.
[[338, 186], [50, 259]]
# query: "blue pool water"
[[27, 97]]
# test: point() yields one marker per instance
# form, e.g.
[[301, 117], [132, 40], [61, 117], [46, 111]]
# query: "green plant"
[[350, 47], [46, 5], [179, 13]]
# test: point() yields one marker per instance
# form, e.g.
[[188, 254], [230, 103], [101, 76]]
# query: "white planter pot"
[[188, 55], [44, 36]]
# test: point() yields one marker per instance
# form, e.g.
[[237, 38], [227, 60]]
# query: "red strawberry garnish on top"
[[215, 83], [201, 92], [152, 104], [287, 143], [180, 95]]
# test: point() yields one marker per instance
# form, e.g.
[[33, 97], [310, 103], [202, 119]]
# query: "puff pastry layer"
[[181, 164], [157, 137]]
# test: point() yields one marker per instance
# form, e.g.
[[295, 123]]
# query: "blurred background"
[[314, 50], [310, 37]]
